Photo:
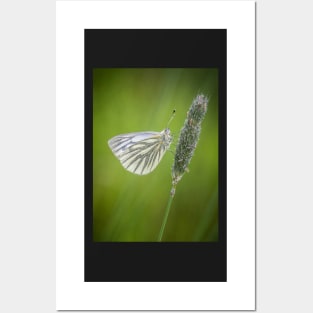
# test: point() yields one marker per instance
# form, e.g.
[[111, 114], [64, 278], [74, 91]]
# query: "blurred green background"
[[129, 207]]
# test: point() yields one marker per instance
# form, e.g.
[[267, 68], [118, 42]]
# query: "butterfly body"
[[141, 152]]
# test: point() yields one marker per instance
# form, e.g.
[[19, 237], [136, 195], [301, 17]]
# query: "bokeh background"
[[129, 207]]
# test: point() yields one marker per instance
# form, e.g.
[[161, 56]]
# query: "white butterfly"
[[141, 152]]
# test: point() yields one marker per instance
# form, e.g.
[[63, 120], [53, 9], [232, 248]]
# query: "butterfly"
[[141, 152]]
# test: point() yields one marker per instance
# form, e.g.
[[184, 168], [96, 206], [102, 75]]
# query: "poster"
[[126, 239]]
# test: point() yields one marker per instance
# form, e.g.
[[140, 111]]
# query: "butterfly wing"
[[141, 152]]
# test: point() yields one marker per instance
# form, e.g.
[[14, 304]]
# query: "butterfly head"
[[166, 137]]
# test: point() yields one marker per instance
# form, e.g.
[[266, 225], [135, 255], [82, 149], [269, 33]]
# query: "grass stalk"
[[167, 211], [187, 142]]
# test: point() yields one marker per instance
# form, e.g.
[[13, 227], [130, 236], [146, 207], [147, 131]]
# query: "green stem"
[[167, 211]]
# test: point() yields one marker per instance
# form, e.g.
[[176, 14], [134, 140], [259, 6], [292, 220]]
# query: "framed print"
[[133, 78], [155, 155]]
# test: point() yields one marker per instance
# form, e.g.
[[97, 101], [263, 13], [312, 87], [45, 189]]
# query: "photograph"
[[155, 154]]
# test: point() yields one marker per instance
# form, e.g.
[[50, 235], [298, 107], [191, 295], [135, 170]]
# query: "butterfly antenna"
[[173, 114]]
